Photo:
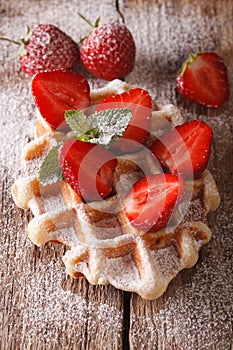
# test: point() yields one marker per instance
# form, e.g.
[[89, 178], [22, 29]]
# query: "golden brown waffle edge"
[[104, 247]]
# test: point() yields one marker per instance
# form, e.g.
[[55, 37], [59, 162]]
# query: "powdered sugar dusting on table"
[[38, 305], [50, 310], [197, 315], [207, 296]]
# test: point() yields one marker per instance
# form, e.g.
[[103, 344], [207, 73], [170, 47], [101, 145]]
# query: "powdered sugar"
[[121, 267], [195, 315], [16, 125], [166, 260], [50, 310], [39, 307]]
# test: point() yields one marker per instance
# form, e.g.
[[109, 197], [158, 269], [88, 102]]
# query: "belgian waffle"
[[103, 246]]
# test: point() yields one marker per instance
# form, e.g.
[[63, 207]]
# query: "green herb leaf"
[[101, 128], [50, 171]]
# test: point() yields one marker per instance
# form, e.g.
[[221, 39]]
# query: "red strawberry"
[[185, 149], [151, 201], [58, 91], [203, 79], [109, 51], [46, 48], [137, 132], [88, 168]]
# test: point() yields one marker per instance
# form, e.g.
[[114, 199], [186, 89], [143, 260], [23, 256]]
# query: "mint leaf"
[[50, 171], [80, 124], [101, 128]]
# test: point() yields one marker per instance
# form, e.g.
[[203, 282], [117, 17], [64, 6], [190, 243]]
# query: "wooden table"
[[41, 308]]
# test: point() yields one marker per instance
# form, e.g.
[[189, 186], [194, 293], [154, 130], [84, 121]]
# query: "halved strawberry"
[[185, 149], [151, 201], [137, 132], [203, 79], [57, 91], [88, 168]]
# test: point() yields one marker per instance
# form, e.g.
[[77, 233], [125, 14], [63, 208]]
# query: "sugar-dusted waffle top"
[[103, 246]]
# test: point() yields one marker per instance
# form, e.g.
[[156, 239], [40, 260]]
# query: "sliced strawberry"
[[151, 201], [57, 91], [203, 79], [88, 168], [185, 149], [137, 132]]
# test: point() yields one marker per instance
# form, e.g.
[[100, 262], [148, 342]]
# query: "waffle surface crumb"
[[103, 245]]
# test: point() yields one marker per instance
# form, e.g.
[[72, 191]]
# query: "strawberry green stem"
[[10, 41], [192, 58], [93, 26], [88, 22]]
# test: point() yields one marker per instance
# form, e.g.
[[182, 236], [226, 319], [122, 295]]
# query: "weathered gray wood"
[[195, 312], [40, 307]]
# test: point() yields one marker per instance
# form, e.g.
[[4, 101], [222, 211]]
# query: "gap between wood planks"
[[126, 320], [126, 295]]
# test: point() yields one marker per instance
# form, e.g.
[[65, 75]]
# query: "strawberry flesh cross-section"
[[150, 202], [57, 91], [137, 132], [185, 149], [88, 169]]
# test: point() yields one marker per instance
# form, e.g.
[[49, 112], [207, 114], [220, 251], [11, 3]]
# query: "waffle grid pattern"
[[103, 246]]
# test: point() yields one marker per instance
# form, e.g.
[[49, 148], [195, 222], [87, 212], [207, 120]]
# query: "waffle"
[[102, 245]]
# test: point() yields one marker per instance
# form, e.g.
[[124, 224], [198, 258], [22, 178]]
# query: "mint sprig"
[[50, 171], [101, 128]]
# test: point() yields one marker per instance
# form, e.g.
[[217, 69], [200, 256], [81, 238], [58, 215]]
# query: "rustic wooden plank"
[[41, 308], [195, 312]]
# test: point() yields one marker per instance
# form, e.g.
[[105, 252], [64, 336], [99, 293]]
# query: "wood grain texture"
[[41, 308], [196, 311]]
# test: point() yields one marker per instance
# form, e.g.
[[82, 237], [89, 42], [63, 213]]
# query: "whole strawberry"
[[108, 52], [46, 48]]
